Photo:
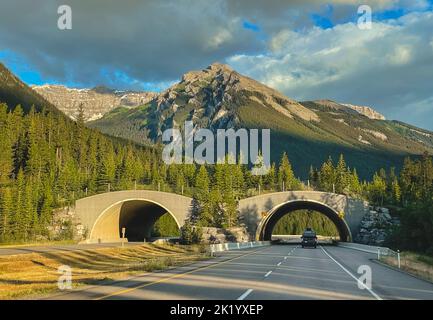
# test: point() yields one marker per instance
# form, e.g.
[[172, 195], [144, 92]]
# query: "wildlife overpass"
[[105, 215]]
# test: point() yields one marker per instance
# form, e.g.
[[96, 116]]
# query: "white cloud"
[[221, 37], [402, 54], [388, 67]]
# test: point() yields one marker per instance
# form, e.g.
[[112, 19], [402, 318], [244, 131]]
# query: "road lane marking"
[[177, 275], [267, 275], [285, 258], [245, 294], [350, 274], [279, 264]]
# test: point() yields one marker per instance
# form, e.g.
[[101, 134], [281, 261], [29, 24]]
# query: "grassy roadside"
[[37, 243], [28, 275], [413, 263]]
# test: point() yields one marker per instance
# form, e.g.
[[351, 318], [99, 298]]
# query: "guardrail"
[[379, 251], [220, 247]]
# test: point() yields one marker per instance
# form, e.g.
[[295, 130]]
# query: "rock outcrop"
[[66, 225], [219, 235], [96, 102], [212, 97], [375, 226], [366, 111]]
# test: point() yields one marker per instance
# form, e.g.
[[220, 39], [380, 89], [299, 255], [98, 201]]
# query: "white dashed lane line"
[[267, 275], [245, 294]]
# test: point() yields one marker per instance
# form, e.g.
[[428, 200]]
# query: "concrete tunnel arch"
[[137, 215], [267, 224]]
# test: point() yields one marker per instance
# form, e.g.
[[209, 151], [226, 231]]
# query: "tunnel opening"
[[293, 224], [136, 217], [269, 223]]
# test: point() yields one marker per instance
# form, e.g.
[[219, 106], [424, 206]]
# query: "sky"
[[307, 49]]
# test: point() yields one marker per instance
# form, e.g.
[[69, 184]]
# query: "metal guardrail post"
[[398, 259]]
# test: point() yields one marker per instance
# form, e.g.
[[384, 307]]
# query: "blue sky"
[[297, 47]]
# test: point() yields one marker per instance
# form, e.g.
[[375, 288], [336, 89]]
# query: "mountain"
[[96, 102], [366, 111], [48, 161], [369, 112], [13, 92], [310, 131]]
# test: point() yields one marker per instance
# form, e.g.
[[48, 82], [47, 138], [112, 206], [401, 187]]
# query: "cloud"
[[389, 67], [148, 40], [151, 40], [149, 44]]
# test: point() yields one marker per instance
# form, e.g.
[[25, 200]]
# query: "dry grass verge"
[[33, 274], [413, 263], [37, 243]]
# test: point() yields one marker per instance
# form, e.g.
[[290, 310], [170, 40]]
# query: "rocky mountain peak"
[[212, 71], [220, 67], [214, 95], [96, 101]]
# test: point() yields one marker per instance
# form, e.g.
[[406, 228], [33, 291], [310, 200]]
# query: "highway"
[[280, 272]]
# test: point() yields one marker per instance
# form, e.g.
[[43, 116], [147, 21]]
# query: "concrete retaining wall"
[[220, 247]]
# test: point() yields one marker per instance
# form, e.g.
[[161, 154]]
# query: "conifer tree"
[[327, 176], [341, 176], [286, 176], [6, 210]]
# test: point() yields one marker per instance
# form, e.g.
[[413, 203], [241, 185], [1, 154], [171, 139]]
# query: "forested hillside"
[[218, 97], [47, 161], [14, 92]]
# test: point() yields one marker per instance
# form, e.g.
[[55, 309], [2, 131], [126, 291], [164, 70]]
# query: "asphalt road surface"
[[272, 272]]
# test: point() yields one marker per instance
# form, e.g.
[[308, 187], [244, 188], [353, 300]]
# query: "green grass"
[[425, 259], [420, 265]]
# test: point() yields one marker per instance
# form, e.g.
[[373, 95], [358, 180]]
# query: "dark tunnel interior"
[[138, 217]]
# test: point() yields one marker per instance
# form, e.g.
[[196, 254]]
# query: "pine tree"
[[270, 179], [396, 191], [286, 177], [202, 212], [327, 176], [377, 189], [6, 154], [313, 177], [355, 184], [18, 219], [28, 213], [341, 176], [6, 209]]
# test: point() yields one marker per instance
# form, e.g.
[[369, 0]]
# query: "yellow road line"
[[179, 275]]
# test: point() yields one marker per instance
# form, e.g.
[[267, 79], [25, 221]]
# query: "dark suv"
[[309, 238]]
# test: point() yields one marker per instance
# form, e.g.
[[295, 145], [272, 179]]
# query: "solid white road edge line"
[[245, 294], [267, 275], [350, 274]]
